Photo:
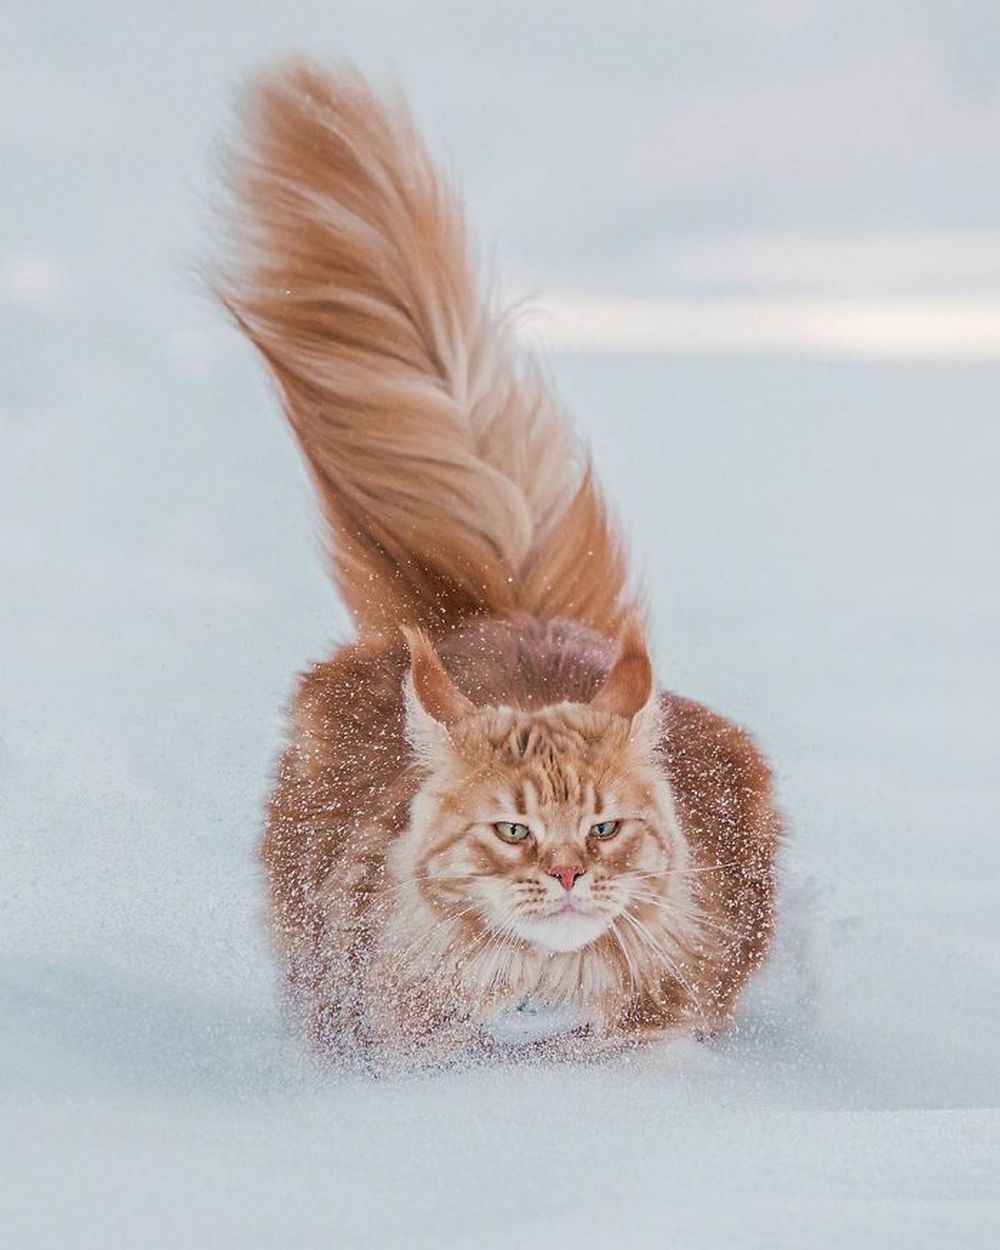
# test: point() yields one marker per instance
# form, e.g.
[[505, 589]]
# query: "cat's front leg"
[[416, 1023]]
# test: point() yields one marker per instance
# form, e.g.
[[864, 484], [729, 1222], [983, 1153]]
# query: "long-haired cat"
[[485, 805]]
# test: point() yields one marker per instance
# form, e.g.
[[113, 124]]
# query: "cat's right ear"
[[433, 701]]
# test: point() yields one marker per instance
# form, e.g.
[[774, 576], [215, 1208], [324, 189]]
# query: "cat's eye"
[[511, 832], [604, 829]]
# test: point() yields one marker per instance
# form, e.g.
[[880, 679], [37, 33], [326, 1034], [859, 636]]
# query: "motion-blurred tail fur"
[[451, 484]]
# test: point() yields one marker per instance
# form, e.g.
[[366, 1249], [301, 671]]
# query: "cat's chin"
[[563, 932]]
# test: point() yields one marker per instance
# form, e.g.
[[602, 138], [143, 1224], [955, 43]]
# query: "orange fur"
[[451, 485], [500, 809]]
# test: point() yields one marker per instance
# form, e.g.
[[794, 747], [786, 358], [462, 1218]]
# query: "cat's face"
[[550, 826]]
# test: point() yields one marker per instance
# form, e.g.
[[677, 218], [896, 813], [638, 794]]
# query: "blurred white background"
[[765, 242]]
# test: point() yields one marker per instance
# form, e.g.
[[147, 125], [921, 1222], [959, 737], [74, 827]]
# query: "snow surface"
[[819, 538]]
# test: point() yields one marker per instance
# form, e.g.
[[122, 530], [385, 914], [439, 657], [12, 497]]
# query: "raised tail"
[[451, 483]]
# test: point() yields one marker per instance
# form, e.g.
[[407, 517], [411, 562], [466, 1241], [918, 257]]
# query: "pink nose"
[[567, 874]]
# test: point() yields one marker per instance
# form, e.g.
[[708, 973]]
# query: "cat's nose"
[[567, 874]]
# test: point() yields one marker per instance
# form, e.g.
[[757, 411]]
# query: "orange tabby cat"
[[485, 806]]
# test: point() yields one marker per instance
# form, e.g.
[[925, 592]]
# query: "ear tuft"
[[629, 687]]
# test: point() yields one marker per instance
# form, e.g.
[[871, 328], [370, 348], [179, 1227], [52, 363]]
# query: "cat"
[[485, 805]]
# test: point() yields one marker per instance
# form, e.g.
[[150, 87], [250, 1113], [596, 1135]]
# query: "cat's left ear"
[[629, 690], [433, 701]]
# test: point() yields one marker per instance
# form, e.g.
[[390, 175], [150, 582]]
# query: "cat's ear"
[[433, 701], [629, 690]]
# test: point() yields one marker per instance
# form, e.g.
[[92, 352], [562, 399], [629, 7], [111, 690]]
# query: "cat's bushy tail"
[[451, 484]]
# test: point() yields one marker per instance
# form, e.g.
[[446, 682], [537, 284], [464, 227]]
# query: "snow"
[[948, 329], [819, 536]]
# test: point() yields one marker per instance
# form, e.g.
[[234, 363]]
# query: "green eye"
[[510, 832], [604, 829]]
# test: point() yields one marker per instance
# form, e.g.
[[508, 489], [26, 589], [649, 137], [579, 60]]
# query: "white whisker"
[[426, 934], [675, 872], [689, 912], [672, 967], [501, 955], [633, 982]]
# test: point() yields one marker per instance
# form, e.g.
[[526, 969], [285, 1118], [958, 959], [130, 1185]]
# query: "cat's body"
[[345, 789], [499, 809]]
